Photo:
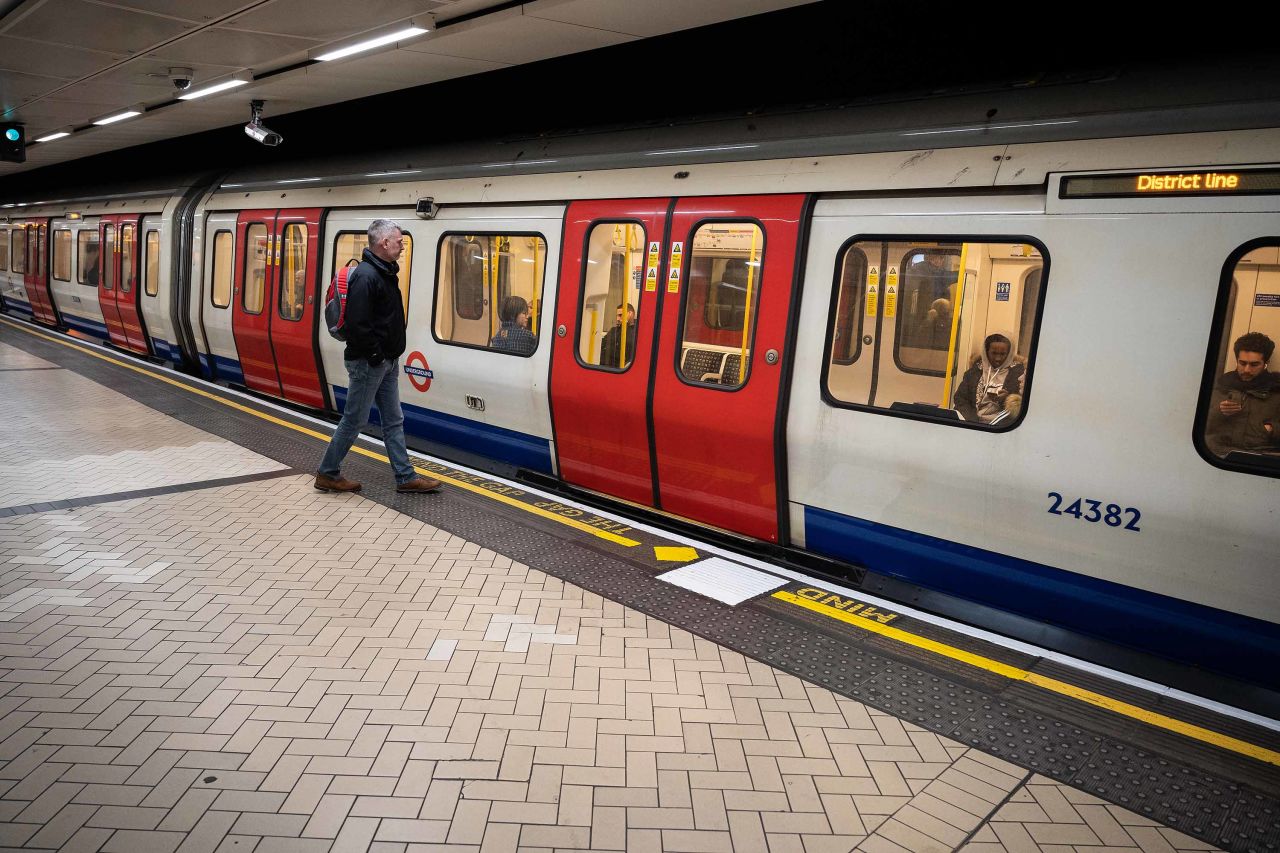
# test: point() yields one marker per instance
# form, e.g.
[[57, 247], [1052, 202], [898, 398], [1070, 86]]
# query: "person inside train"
[[611, 346], [89, 263], [991, 389], [1244, 413], [514, 335]]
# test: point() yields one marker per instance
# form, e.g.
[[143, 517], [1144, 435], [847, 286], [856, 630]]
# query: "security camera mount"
[[181, 78], [257, 131]]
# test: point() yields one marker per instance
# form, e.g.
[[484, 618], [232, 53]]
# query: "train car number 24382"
[[1093, 511]]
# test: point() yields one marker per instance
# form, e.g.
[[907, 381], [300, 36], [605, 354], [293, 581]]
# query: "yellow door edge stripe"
[[1053, 685], [320, 436]]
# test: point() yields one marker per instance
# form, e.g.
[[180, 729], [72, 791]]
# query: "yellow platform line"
[[1053, 685], [320, 436]]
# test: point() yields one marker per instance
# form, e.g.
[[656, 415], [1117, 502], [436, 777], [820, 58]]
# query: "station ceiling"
[[67, 63]]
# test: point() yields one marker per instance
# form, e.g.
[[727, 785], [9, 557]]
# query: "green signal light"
[[12, 134]]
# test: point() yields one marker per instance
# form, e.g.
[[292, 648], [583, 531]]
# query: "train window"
[[87, 257], [62, 254], [4, 249], [151, 274], [1239, 424], [128, 257], [846, 344], [41, 251], [489, 291], [256, 257], [19, 254], [293, 273], [722, 290], [350, 246], [108, 254], [958, 317], [614, 268], [223, 259]]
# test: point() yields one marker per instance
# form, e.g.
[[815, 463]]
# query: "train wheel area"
[[187, 625]]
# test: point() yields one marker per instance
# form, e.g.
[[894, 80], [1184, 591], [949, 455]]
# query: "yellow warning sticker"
[[891, 299], [655, 248], [673, 278], [651, 273], [673, 281], [892, 279], [873, 277], [651, 279], [873, 291]]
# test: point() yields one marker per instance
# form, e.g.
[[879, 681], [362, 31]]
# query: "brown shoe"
[[418, 484], [336, 484]]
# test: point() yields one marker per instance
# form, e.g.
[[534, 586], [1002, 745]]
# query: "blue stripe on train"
[[1206, 637], [164, 349], [84, 324], [228, 369], [504, 445], [24, 307]]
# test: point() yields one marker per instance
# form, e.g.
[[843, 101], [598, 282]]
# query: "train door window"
[[489, 291], [62, 254], [128, 269], [41, 251], [611, 290], [959, 319], [87, 257], [847, 342], [223, 260], [722, 290], [349, 246], [293, 274], [108, 254], [4, 249], [151, 274], [256, 257], [1239, 425], [19, 253]]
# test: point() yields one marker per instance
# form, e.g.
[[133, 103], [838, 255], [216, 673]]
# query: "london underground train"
[[978, 361]]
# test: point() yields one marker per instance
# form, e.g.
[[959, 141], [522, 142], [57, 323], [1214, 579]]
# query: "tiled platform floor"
[[261, 667]]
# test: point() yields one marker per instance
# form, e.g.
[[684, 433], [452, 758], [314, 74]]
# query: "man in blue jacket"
[[375, 340]]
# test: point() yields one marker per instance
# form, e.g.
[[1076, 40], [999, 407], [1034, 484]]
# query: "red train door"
[[296, 263], [109, 279], [719, 372], [251, 303], [36, 277], [600, 389], [126, 292]]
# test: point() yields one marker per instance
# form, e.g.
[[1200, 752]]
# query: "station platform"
[[200, 652]]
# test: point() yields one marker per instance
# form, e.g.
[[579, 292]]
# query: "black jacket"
[[375, 311]]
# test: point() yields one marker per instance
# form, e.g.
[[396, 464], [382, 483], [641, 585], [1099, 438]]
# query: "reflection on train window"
[[223, 258], [151, 277], [62, 254], [108, 255], [958, 319], [87, 257], [847, 344], [19, 254], [489, 291], [293, 272], [1241, 423], [350, 246], [614, 269], [128, 270], [4, 249], [257, 256], [722, 290]]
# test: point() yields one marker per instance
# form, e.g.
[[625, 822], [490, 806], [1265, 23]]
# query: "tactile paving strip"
[[1208, 805]]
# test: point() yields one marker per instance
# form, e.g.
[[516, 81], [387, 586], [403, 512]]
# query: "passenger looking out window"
[[514, 335], [991, 389], [1244, 411], [611, 346]]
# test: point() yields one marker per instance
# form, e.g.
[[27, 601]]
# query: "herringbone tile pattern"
[[261, 667]]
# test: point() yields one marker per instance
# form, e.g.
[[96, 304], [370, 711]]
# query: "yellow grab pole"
[[533, 308], [746, 314], [956, 306], [626, 297]]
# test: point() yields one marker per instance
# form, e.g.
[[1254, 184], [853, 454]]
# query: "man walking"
[[375, 340]]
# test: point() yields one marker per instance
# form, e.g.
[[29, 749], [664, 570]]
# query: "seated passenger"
[[611, 346], [991, 390], [89, 263], [1244, 413], [514, 335]]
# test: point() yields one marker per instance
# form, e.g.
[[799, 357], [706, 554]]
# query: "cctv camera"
[[261, 133], [181, 78]]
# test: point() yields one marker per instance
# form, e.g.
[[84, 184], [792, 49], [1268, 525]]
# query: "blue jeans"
[[366, 386]]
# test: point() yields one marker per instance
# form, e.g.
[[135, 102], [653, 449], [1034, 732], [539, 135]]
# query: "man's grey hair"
[[380, 229]]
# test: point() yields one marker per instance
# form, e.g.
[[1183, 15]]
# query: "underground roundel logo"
[[419, 373]]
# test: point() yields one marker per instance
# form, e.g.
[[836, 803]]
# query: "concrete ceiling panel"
[[76, 22], [515, 39], [233, 48], [397, 65], [327, 20], [67, 63], [652, 17], [202, 12]]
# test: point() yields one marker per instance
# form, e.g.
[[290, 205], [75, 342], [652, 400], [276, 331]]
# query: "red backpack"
[[335, 303]]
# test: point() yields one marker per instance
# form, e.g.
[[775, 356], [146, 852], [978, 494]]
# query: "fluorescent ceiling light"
[[54, 136], [118, 117], [209, 90], [358, 47]]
